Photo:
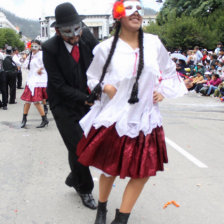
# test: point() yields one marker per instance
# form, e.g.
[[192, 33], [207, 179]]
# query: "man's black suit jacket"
[[67, 81]]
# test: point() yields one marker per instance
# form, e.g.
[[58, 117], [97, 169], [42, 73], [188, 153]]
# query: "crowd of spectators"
[[202, 70]]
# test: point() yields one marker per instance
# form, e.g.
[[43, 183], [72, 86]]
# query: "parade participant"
[[35, 90], [67, 56], [2, 104], [10, 72], [123, 130], [16, 59]]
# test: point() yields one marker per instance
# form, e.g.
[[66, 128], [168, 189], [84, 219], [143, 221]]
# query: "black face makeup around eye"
[[128, 7], [139, 7], [77, 28]]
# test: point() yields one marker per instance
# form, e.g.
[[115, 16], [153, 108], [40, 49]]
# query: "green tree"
[[196, 8], [10, 37]]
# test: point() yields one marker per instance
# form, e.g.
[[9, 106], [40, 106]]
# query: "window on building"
[[46, 31], [42, 32]]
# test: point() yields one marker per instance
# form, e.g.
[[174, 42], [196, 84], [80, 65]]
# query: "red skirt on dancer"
[[40, 94], [123, 156]]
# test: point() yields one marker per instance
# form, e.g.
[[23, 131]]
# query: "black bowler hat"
[[66, 15]]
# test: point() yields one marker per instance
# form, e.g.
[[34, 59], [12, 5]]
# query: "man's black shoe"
[[20, 88], [12, 102], [5, 108], [69, 181], [88, 200]]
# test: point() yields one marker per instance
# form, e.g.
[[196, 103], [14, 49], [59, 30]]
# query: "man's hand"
[[110, 90], [89, 104], [157, 97]]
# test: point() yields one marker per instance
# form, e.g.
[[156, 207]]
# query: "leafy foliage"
[[10, 37], [185, 24]]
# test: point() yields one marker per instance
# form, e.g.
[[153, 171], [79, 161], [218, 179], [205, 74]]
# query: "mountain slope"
[[29, 28]]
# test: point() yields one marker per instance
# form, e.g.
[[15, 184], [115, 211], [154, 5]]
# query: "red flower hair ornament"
[[118, 10]]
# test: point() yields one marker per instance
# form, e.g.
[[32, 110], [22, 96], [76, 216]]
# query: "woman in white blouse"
[[123, 133], [36, 84]]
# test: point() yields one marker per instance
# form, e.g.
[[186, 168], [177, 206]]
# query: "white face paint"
[[35, 46], [71, 31], [132, 6]]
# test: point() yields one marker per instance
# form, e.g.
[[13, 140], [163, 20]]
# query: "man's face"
[[70, 34]]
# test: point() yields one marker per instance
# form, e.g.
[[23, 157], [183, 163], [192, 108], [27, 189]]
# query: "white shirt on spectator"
[[16, 59], [1, 56], [198, 57]]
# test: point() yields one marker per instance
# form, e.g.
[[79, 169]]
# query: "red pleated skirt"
[[138, 157], [40, 94]]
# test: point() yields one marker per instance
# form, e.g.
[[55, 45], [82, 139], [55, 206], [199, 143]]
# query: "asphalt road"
[[33, 167]]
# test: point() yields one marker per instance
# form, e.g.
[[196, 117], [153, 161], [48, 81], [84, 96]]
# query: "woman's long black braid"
[[96, 93], [29, 60], [134, 94]]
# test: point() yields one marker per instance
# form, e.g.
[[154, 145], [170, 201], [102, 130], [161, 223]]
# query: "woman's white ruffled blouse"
[[159, 74], [34, 79]]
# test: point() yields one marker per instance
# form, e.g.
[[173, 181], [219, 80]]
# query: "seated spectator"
[[213, 84], [180, 68], [190, 59], [203, 83], [195, 80], [207, 65], [199, 68], [213, 69], [219, 92], [219, 46], [221, 55], [213, 59], [205, 55]]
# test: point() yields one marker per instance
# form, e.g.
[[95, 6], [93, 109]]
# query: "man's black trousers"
[[71, 133], [3, 88], [11, 85], [19, 79]]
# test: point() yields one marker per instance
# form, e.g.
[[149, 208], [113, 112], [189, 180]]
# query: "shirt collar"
[[69, 46]]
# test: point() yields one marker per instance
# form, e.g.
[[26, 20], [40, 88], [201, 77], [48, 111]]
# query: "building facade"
[[147, 19], [4, 23], [99, 25]]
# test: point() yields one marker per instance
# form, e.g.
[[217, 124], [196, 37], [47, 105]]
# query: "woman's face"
[[133, 19], [35, 47]]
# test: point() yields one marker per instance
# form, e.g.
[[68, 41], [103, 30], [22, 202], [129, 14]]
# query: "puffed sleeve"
[[94, 72], [26, 62], [95, 69], [171, 84]]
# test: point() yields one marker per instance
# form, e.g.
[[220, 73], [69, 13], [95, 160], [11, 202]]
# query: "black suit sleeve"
[[56, 80], [89, 38]]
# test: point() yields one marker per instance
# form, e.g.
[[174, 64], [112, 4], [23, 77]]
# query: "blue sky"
[[34, 9]]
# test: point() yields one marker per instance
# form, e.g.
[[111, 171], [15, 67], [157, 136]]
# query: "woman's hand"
[[39, 71], [110, 90], [157, 97]]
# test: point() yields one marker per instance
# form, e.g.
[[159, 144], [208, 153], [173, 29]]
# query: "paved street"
[[33, 167]]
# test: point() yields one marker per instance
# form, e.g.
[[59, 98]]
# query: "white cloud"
[[34, 9]]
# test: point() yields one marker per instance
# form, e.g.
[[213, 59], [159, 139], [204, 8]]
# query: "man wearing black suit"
[[66, 58]]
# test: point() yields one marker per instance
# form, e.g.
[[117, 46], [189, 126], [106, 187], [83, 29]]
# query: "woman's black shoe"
[[121, 218], [23, 124], [101, 213], [44, 122]]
